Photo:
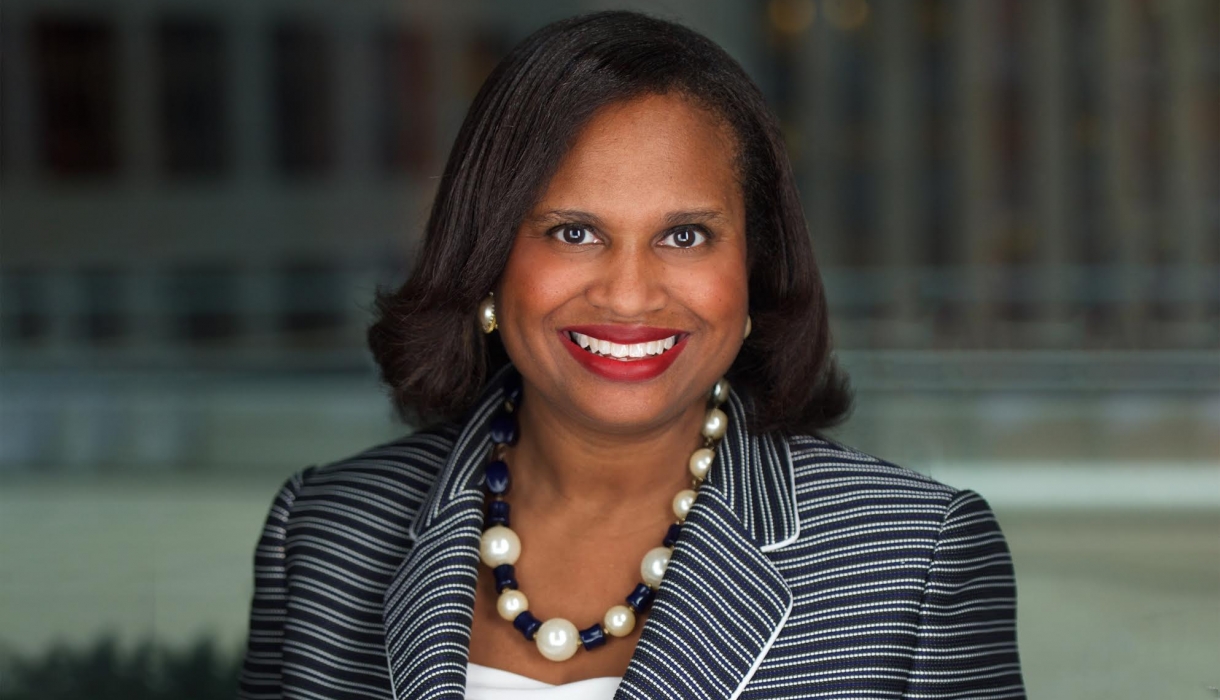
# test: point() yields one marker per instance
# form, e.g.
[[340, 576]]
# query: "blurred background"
[[1016, 205]]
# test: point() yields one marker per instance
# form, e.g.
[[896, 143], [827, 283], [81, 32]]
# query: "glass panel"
[[77, 81], [194, 98], [303, 99], [405, 101]]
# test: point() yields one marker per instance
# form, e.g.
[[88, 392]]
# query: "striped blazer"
[[805, 569]]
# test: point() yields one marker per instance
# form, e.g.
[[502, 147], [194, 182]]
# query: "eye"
[[686, 237], [574, 235]]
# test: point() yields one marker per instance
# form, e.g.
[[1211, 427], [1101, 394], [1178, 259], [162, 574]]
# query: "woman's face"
[[637, 242]]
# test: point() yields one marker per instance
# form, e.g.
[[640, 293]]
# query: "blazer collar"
[[717, 611]]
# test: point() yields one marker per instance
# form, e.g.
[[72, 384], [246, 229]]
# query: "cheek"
[[534, 284], [719, 292]]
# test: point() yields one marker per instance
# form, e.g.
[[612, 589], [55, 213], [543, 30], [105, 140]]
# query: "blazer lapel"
[[429, 609], [722, 602], [429, 604]]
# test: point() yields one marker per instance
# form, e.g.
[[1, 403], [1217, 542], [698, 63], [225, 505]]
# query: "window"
[[193, 98], [1011, 90], [204, 302], [856, 180], [6, 127], [102, 305], [76, 86], [312, 300], [483, 51], [1083, 85], [404, 111], [1091, 246], [940, 176], [304, 105], [23, 307], [1015, 245]]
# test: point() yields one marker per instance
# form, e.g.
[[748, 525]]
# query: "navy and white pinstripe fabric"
[[806, 569]]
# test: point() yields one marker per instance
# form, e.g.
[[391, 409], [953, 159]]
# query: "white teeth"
[[617, 350]]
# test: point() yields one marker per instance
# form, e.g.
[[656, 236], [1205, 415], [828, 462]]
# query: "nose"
[[630, 284]]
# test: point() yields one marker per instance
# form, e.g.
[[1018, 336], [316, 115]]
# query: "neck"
[[568, 465]]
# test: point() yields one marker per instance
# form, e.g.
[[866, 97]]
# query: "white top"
[[486, 683]]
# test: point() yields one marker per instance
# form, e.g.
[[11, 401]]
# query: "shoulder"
[[830, 465], [839, 487], [377, 490], [866, 522]]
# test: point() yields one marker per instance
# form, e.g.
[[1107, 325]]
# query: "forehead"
[[650, 148]]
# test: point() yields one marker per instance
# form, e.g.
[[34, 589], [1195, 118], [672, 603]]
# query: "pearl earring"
[[487, 313], [749, 327]]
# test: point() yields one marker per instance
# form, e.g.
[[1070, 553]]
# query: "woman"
[[616, 241]]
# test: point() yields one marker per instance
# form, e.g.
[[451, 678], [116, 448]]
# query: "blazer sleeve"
[[967, 637], [261, 669]]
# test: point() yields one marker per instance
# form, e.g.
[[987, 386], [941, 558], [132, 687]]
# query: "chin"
[[628, 408]]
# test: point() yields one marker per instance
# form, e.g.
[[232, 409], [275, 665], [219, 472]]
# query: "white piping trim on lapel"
[[390, 668], [763, 654], [796, 513]]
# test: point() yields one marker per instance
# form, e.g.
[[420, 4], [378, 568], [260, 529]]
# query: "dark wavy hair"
[[426, 339]]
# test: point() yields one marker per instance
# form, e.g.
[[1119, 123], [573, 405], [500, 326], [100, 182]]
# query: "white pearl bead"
[[557, 639], [720, 392], [701, 462], [652, 569], [499, 545], [715, 424], [619, 621], [512, 603], [487, 314], [682, 503]]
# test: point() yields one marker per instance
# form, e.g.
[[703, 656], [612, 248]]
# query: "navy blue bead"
[[514, 399], [641, 598], [512, 389], [592, 637], [496, 475], [504, 429], [497, 514], [505, 577], [527, 624], [672, 535]]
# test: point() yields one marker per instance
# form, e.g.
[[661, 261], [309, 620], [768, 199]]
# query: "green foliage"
[[105, 671]]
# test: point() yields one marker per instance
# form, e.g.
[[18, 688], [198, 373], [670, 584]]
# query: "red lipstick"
[[636, 369]]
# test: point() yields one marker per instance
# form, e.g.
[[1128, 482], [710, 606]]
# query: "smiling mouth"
[[624, 352]]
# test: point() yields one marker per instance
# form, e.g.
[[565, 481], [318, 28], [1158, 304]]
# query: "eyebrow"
[[673, 218]]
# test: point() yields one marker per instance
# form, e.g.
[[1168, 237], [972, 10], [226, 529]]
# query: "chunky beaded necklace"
[[557, 638]]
